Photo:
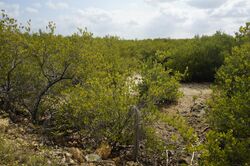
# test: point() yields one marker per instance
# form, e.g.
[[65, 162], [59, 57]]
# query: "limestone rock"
[[4, 124], [68, 155], [71, 162], [104, 151], [117, 160], [93, 157], [77, 154]]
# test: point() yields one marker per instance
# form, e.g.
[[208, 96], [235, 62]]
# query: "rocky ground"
[[191, 107], [27, 137], [28, 145]]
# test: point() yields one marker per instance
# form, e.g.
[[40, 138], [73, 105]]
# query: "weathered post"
[[137, 128]]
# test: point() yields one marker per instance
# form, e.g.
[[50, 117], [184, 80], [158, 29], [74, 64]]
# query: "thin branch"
[[167, 158], [191, 162]]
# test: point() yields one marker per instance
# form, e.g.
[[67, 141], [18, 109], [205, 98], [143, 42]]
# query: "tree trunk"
[[34, 110]]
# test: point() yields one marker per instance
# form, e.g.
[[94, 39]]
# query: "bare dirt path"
[[192, 104], [192, 107], [193, 93]]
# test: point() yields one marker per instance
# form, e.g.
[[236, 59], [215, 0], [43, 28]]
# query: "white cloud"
[[12, 9], [186, 18], [172, 18], [124, 23], [144, 19], [31, 10], [57, 5], [133, 23], [95, 15], [36, 5], [234, 9], [159, 1], [206, 4]]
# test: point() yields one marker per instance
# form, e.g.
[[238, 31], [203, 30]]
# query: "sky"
[[133, 19]]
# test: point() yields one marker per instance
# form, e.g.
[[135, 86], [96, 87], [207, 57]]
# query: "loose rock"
[[104, 151], [93, 157], [77, 154]]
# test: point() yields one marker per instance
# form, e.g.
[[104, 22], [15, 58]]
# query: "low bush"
[[229, 141]]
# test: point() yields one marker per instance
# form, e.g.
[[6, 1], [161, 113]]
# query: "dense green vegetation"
[[201, 56], [88, 85], [79, 83], [229, 142]]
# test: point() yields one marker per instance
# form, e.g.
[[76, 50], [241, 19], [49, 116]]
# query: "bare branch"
[[46, 89]]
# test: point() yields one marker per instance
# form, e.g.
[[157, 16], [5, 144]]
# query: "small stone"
[[4, 124], [117, 160], [71, 161], [104, 151], [93, 157], [32, 126], [21, 130], [49, 162], [68, 154], [25, 120], [63, 160], [203, 112], [77, 154], [132, 163]]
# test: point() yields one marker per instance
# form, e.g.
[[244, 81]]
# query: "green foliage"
[[183, 141], [230, 107], [243, 36], [158, 86], [201, 56], [101, 106], [225, 149], [187, 133], [154, 144], [13, 52], [98, 109], [228, 142], [235, 74], [87, 84], [47, 58], [98, 104]]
